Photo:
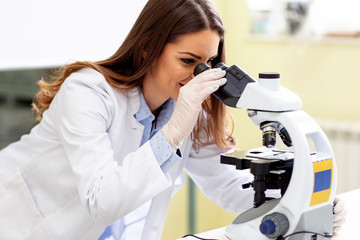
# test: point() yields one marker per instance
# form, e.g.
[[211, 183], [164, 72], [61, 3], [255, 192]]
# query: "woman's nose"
[[191, 76], [188, 79]]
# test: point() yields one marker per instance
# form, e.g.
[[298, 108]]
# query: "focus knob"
[[274, 225]]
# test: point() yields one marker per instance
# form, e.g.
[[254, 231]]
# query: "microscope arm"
[[306, 205]]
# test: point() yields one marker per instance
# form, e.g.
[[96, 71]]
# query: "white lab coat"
[[81, 169]]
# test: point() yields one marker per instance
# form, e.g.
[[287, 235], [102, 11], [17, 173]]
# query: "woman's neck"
[[152, 99]]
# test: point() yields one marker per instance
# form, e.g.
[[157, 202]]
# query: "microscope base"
[[246, 225]]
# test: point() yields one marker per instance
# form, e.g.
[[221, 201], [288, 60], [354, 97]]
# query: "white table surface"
[[349, 230]]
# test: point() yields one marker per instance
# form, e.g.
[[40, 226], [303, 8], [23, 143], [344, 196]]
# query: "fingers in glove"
[[338, 223], [340, 215], [339, 205], [209, 75], [194, 95], [212, 86], [336, 200], [336, 231]]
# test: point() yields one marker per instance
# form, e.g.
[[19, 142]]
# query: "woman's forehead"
[[200, 43]]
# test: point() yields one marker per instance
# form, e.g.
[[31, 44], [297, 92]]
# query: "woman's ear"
[[144, 53], [143, 44]]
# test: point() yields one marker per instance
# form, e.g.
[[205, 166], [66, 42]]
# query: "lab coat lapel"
[[126, 132], [136, 128]]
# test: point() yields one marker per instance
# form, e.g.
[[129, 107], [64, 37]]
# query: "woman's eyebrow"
[[191, 54], [196, 56]]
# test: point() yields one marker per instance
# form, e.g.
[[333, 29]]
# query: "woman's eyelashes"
[[192, 61], [187, 60]]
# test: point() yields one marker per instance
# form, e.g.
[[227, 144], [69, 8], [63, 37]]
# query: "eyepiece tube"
[[201, 67], [221, 65], [237, 79]]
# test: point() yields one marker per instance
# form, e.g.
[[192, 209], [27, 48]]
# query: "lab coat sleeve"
[[109, 190], [219, 182]]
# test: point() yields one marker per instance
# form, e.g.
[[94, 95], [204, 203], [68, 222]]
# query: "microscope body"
[[307, 201], [307, 179]]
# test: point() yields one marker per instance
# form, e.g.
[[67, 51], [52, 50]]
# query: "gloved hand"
[[188, 105], [339, 215]]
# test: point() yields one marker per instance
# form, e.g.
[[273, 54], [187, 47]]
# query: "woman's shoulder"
[[90, 79], [87, 76]]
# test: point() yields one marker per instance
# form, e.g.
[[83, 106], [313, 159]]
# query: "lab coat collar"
[[133, 103], [144, 111], [134, 100], [135, 97]]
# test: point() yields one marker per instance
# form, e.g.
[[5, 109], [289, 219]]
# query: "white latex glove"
[[339, 215], [188, 105]]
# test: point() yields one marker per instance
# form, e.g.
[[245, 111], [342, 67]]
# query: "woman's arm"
[[221, 183], [84, 110]]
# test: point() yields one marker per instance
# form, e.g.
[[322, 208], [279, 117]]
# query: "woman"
[[115, 135]]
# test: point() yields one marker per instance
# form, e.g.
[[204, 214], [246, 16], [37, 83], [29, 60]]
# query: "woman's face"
[[174, 67]]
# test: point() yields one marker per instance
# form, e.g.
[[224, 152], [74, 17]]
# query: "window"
[[309, 18]]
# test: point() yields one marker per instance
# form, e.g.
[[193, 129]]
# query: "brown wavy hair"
[[159, 23]]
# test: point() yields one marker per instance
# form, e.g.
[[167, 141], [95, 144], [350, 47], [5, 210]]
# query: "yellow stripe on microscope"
[[322, 165], [322, 196]]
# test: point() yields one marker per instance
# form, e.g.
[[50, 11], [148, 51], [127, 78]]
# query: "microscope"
[[305, 178]]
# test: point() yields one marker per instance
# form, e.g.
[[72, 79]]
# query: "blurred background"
[[314, 45]]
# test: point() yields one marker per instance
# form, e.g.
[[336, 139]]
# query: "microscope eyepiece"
[[201, 67], [237, 79], [221, 65], [269, 75]]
